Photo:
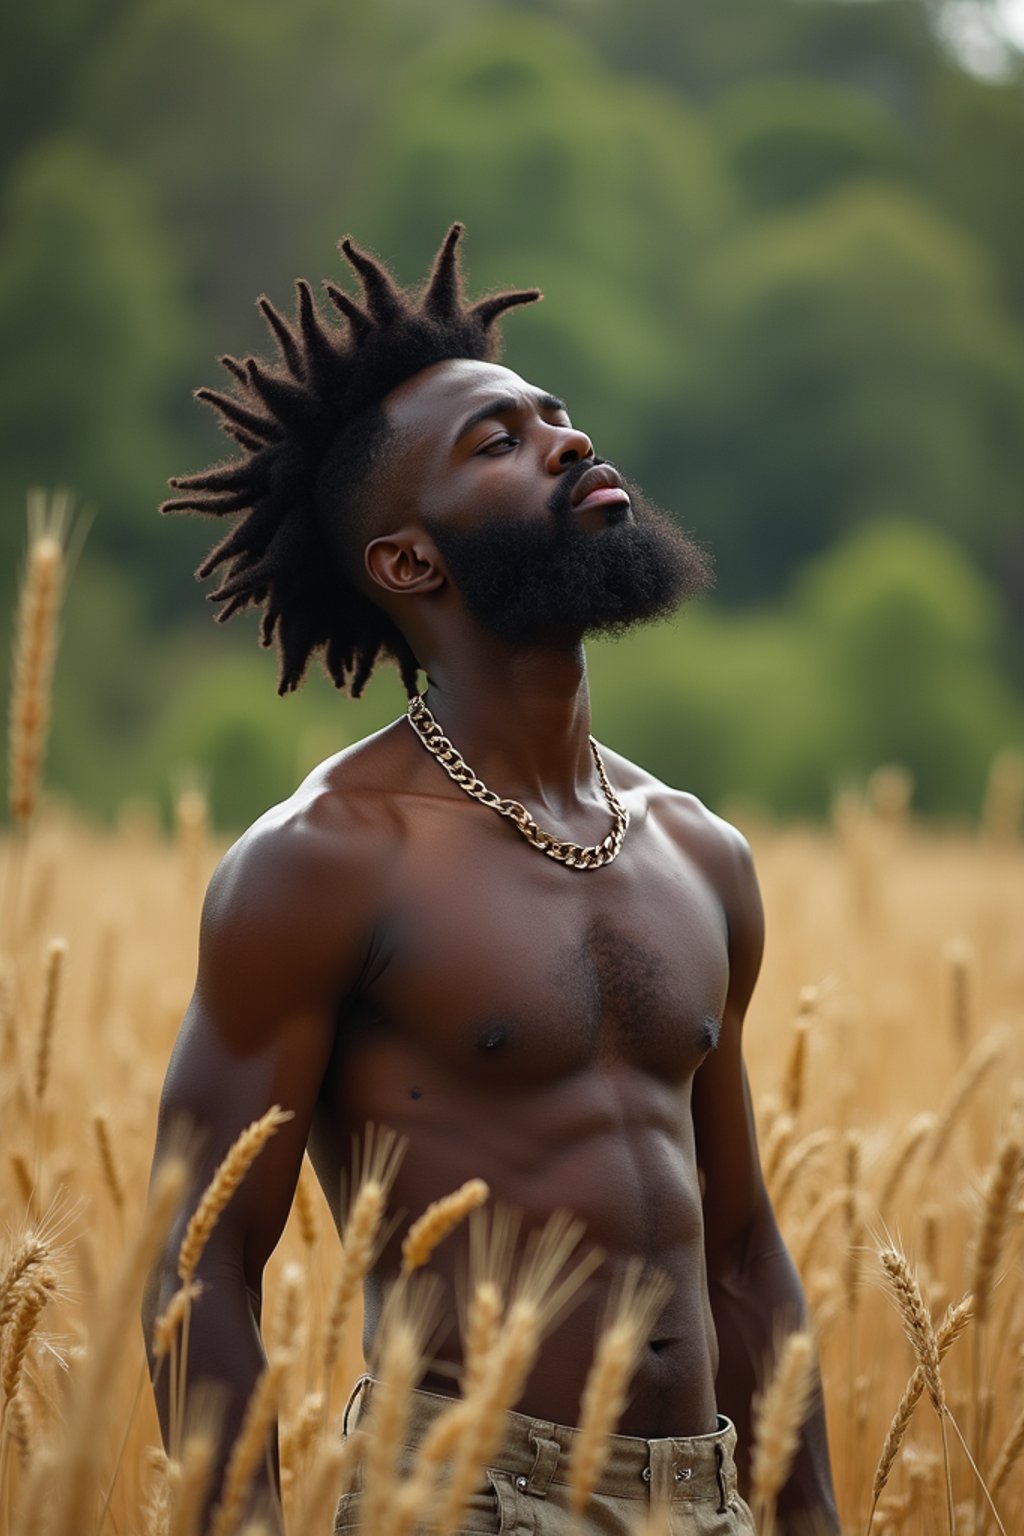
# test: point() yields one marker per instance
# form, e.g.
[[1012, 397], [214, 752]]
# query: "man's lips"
[[598, 486]]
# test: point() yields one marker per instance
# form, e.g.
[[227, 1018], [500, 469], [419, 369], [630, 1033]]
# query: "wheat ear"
[[483, 1322], [389, 1416], [1000, 1187], [631, 1317], [19, 1427], [249, 1448], [192, 1484], [1007, 1456], [358, 1239], [978, 1064], [108, 1162], [30, 1254], [167, 1325], [913, 1137], [779, 1416], [916, 1322], [305, 1207], [27, 1315], [419, 1490], [952, 1326], [793, 1077], [776, 1145], [440, 1219], [794, 1163], [232, 1170], [327, 1477], [92, 1399], [501, 1388], [56, 954], [300, 1434], [35, 651]]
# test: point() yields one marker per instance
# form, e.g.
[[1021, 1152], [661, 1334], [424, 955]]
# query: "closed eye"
[[502, 444]]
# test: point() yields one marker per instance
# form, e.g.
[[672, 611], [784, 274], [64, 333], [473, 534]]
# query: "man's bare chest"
[[504, 967]]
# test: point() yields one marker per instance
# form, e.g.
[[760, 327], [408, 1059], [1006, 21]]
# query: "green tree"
[[857, 359], [91, 310]]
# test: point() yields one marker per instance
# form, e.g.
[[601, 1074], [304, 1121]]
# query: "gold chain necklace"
[[571, 854]]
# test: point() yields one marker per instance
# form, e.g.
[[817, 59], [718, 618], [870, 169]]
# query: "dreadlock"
[[309, 426]]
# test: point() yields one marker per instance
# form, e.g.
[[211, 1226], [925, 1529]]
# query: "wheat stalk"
[[794, 1163], [231, 1171], [29, 1310], [914, 1135], [483, 1323], [777, 1145], [633, 1312], [305, 1207], [108, 1162], [1000, 1188], [358, 1241], [56, 954], [500, 1389], [389, 1416], [35, 651], [439, 1220], [168, 1324], [249, 1447], [300, 1434], [973, 1072], [29, 1256], [792, 1088], [916, 1322], [325, 1480], [952, 1326], [779, 1416], [92, 1398]]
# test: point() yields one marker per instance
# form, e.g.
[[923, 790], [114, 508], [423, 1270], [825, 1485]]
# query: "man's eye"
[[500, 444]]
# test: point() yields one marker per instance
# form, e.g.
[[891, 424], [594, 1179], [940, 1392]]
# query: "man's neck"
[[522, 722]]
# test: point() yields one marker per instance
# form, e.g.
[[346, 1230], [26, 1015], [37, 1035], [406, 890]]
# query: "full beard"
[[554, 583]]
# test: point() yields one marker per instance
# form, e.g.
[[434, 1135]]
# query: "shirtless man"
[[384, 947]]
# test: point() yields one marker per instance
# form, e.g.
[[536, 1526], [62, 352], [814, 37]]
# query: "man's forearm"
[[225, 1354], [755, 1303]]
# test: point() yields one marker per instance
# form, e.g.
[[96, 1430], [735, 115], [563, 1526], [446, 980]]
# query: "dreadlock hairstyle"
[[309, 426]]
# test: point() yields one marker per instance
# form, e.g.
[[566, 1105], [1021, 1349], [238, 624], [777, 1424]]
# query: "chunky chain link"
[[570, 854]]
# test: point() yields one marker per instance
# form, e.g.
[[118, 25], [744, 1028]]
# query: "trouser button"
[[646, 1474], [522, 1483]]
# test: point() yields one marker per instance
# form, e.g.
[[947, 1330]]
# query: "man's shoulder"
[[719, 848], [330, 830]]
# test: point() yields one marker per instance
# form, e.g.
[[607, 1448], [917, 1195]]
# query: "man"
[[550, 998]]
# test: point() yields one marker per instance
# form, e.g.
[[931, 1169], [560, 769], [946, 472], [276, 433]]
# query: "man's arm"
[[280, 948], [756, 1296]]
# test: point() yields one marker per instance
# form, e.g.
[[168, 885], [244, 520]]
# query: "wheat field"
[[886, 1057]]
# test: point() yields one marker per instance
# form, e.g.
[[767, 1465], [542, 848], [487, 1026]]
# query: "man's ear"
[[404, 563]]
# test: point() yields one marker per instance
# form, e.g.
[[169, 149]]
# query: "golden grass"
[[886, 1061]]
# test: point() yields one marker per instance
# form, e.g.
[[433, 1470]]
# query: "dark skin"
[[382, 948]]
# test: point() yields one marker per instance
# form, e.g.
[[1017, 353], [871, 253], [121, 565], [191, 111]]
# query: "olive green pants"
[[689, 1482]]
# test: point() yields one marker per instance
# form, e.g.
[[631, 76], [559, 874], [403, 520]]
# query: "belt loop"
[[355, 1398], [545, 1464], [723, 1491]]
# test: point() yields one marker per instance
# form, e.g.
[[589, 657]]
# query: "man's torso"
[[538, 1027]]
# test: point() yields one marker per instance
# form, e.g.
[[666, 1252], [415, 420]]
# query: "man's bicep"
[[259, 1031]]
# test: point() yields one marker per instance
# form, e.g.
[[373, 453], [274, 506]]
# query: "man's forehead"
[[446, 391]]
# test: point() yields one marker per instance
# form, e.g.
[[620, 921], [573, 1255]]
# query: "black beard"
[[553, 583]]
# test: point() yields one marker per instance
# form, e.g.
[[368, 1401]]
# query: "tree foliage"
[[780, 245]]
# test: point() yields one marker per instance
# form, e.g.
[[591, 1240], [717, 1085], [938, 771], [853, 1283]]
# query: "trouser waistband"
[[537, 1453]]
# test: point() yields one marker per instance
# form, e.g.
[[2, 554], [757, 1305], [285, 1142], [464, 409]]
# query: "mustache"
[[560, 502]]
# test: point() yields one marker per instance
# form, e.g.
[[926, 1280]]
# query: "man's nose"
[[568, 446]]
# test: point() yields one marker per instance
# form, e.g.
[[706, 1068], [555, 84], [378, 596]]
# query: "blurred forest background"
[[781, 243]]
